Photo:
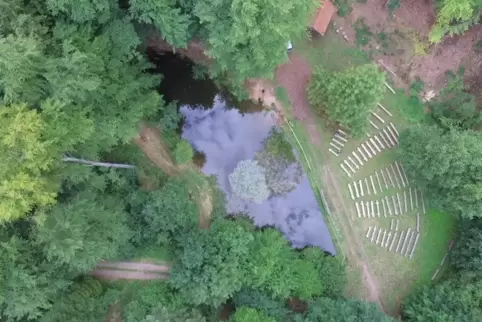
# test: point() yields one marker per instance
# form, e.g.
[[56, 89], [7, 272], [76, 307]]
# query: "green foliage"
[[211, 264], [454, 108], [455, 17], [447, 165], [282, 170], [28, 283], [27, 159], [169, 211], [271, 264], [392, 6], [248, 38], [344, 7], [348, 96], [362, 32], [261, 302], [183, 152], [330, 271], [166, 16], [82, 11], [83, 231], [329, 310], [456, 299], [149, 298], [163, 314], [85, 300], [21, 64], [410, 106], [248, 181], [277, 145], [245, 314], [466, 255]]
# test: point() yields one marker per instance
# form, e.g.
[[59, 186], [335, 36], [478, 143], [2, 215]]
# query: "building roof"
[[323, 17]]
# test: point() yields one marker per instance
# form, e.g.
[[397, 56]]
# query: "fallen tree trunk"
[[98, 164]]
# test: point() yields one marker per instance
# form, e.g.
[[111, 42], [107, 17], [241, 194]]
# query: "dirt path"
[[134, 266], [130, 271], [294, 76], [150, 142]]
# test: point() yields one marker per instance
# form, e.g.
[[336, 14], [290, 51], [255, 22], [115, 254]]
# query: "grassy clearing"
[[397, 275], [154, 254]]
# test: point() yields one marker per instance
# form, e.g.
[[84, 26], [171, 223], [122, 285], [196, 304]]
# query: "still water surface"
[[226, 134]]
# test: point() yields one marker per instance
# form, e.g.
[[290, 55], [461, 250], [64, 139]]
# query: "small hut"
[[323, 17]]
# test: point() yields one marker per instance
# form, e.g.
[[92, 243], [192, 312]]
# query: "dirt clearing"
[[401, 41]]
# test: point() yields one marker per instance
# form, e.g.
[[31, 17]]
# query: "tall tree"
[[84, 300], [245, 314], [211, 265], [467, 252], [27, 158], [455, 17], [167, 16], [330, 270], [249, 38], [448, 165], [248, 297], [83, 231], [457, 299], [271, 264], [455, 108], [329, 310], [29, 284], [348, 96], [83, 11], [170, 211]]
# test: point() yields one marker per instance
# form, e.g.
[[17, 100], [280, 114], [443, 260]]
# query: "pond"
[[225, 135]]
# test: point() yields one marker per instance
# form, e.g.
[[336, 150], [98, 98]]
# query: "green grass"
[[439, 229], [155, 253], [398, 275]]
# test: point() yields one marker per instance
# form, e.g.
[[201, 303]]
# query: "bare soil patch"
[[149, 141], [112, 274], [294, 77], [401, 42], [130, 271]]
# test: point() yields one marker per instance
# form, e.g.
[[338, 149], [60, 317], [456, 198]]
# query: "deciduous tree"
[[245, 314], [83, 231], [457, 299], [26, 161], [211, 265], [455, 108], [467, 252], [447, 165], [249, 38], [348, 96], [167, 16], [330, 310]]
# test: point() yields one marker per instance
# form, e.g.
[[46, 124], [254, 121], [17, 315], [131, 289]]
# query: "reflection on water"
[[225, 137]]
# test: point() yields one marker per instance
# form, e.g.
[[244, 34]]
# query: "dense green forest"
[[76, 94]]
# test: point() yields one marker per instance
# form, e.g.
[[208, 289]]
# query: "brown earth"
[[408, 52], [149, 141]]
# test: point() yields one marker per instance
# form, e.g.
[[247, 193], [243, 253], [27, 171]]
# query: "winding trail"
[[130, 271]]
